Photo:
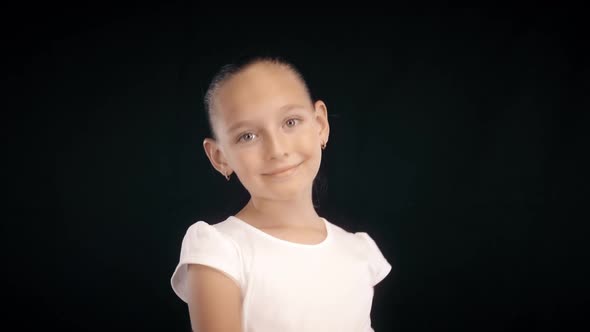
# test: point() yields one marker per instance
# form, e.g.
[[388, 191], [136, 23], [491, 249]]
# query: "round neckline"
[[294, 244]]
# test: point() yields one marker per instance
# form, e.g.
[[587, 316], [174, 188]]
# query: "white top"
[[289, 286]]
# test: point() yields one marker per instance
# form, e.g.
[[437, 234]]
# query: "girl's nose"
[[276, 146]]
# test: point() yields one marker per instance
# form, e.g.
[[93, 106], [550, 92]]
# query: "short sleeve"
[[204, 244], [378, 264]]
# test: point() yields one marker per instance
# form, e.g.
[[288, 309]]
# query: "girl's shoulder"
[[207, 244], [226, 231], [222, 230], [356, 236]]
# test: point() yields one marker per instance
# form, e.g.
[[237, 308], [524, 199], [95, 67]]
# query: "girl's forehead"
[[260, 89]]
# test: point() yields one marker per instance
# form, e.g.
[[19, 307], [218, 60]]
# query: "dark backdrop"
[[458, 142]]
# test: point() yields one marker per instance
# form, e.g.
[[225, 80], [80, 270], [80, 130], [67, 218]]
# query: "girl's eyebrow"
[[289, 107], [237, 126], [283, 109]]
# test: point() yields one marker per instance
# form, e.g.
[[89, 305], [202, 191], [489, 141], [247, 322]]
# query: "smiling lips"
[[282, 171]]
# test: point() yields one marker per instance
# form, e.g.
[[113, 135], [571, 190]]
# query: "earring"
[[323, 145], [227, 176]]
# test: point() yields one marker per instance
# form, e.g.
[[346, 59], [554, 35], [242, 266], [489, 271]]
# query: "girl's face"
[[269, 132]]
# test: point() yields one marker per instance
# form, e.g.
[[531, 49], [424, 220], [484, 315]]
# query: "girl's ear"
[[321, 116], [216, 157]]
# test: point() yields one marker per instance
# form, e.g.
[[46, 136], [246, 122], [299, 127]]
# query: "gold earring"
[[323, 145]]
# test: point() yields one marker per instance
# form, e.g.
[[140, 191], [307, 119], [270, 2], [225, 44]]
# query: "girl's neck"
[[263, 213]]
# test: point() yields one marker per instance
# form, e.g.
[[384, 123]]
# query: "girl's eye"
[[292, 122], [247, 137]]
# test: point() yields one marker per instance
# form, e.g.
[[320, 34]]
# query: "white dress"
[[288, 286]]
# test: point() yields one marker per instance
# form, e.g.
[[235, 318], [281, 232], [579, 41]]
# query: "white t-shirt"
[[288, 286]]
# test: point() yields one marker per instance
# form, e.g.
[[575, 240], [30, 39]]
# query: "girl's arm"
[[214, 300]]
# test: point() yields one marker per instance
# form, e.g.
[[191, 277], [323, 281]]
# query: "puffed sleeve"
[[204, 244], [378, 265]]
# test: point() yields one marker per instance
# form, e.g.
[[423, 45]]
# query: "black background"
[[458, 142]]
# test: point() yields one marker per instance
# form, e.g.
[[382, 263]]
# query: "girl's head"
[[263, 121]]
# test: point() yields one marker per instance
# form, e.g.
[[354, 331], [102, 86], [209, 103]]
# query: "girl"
[[276, 265]]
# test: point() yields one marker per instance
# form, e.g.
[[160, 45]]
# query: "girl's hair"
[[230, 70]]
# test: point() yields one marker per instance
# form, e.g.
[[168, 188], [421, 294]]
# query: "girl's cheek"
[[248, 157]]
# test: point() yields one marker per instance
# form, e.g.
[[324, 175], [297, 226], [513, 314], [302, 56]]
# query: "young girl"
[[276, 265]]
